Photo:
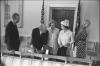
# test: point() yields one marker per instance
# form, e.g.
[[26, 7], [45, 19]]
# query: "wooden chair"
[[91, 49]]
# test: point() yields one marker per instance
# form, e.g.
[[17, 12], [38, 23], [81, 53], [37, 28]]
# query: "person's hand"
[[67, 45], [34, 49], [60, 45], [46, 47]]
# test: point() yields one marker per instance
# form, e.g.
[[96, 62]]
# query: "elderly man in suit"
[[39, 37], [12, 35]]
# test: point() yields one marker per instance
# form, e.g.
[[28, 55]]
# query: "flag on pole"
[[42, 13], [78, 19]]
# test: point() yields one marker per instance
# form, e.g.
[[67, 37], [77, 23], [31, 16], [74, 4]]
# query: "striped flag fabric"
[[78, 19], [42, 13]]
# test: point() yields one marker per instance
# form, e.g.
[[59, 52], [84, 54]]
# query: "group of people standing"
[[57, 42], [52, 39]]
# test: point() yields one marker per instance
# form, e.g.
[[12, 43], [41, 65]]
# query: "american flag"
[[42, 13], [78, 19]]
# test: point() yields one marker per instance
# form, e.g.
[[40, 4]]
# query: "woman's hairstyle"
[[88, 22]]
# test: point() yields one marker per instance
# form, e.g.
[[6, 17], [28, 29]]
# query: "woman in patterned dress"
[[80, 40]]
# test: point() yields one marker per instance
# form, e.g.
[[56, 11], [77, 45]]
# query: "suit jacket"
[[12, 37], [38, 40]]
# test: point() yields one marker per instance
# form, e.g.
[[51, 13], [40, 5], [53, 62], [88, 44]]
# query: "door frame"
[[61, 4], [60, 8]]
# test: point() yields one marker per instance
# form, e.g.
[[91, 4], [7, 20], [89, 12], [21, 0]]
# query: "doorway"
[[61, 13]]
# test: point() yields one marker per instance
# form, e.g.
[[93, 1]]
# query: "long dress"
[[80, 42], [12, 37]]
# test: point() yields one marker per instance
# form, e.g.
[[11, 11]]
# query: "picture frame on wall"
[[12, 7]]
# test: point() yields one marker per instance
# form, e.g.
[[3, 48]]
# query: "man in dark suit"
[[39, 37], [12, 34]]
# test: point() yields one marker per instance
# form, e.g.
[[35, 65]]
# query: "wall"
[[32, 16], [90, 10]]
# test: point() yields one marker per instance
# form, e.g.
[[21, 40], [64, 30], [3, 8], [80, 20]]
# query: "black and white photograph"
[[49, 33]]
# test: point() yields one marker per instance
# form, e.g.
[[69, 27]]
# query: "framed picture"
[[12, 7]]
